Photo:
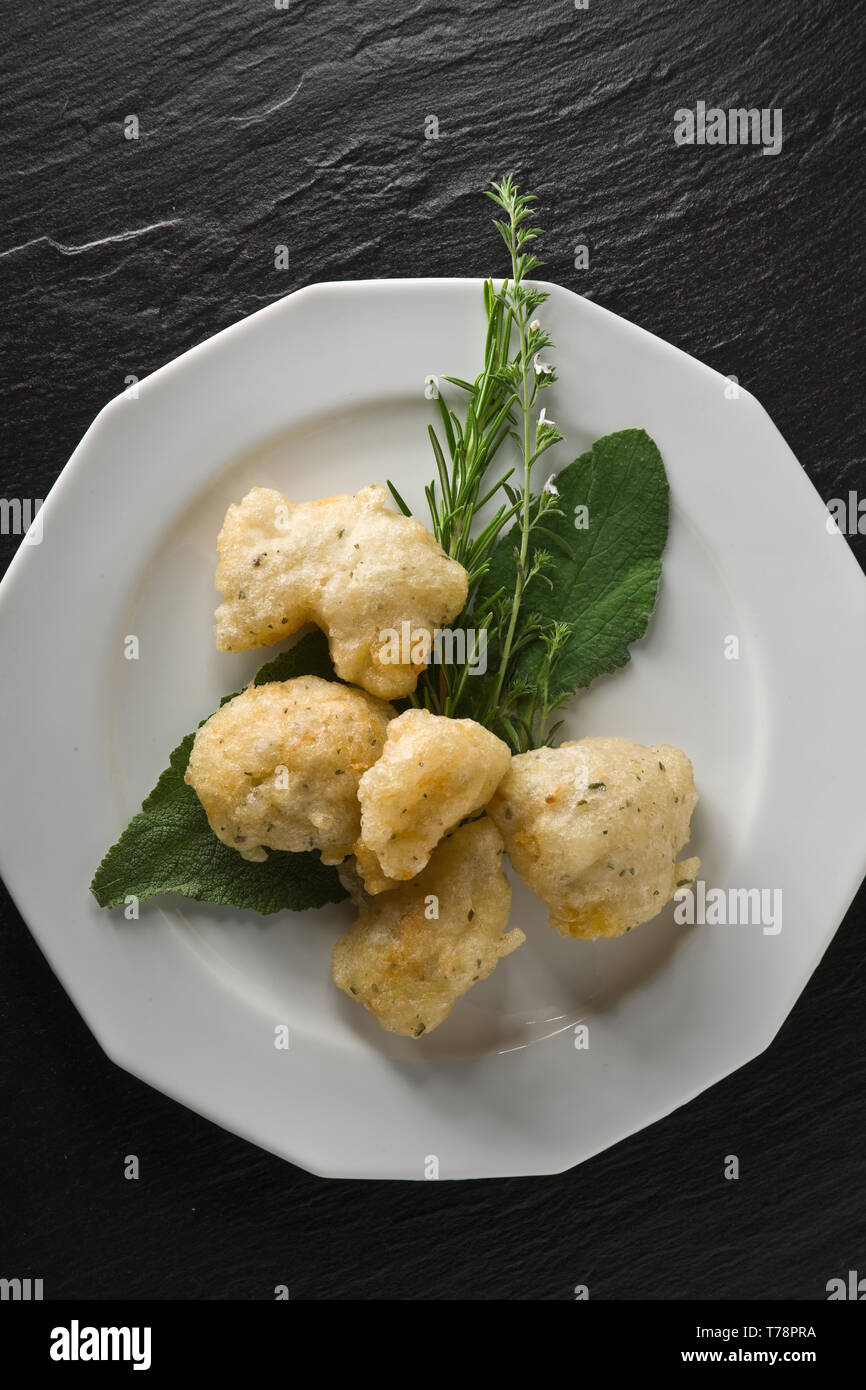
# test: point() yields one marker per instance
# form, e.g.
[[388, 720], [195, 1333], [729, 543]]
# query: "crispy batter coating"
[[349, 564], [279, 766], [434, 771], [594, 829], [407, 967]]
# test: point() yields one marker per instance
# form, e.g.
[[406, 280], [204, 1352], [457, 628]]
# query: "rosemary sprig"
[[530, 376], [472, 446], [463, 458], [502, 403]]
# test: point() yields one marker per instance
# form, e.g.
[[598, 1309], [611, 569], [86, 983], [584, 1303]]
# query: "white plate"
[[320, 392]]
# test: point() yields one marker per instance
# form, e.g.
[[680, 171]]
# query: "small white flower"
[[541, 368], [549, 487], [544, 418], [535, 325]]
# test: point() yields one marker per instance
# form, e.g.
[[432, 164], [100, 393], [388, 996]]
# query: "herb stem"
[[525, 407]]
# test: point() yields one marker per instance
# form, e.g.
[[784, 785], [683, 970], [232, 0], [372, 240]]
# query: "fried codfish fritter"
[[433, 772], [594, 829], [408, 967], [349, 564], [279, 766]]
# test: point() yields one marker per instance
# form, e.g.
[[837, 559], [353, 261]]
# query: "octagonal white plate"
[[320, 392]]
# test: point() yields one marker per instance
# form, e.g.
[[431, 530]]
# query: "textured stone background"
[[261, 126]]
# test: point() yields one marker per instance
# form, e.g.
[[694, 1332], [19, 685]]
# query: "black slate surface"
[[305, 126]]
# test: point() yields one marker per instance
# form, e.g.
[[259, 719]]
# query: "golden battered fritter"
[[357, 569], [594, 829], [279, 766], [407, 966], [434, 772]]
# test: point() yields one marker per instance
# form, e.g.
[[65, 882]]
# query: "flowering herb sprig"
[[521, 713], [502, 402]]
